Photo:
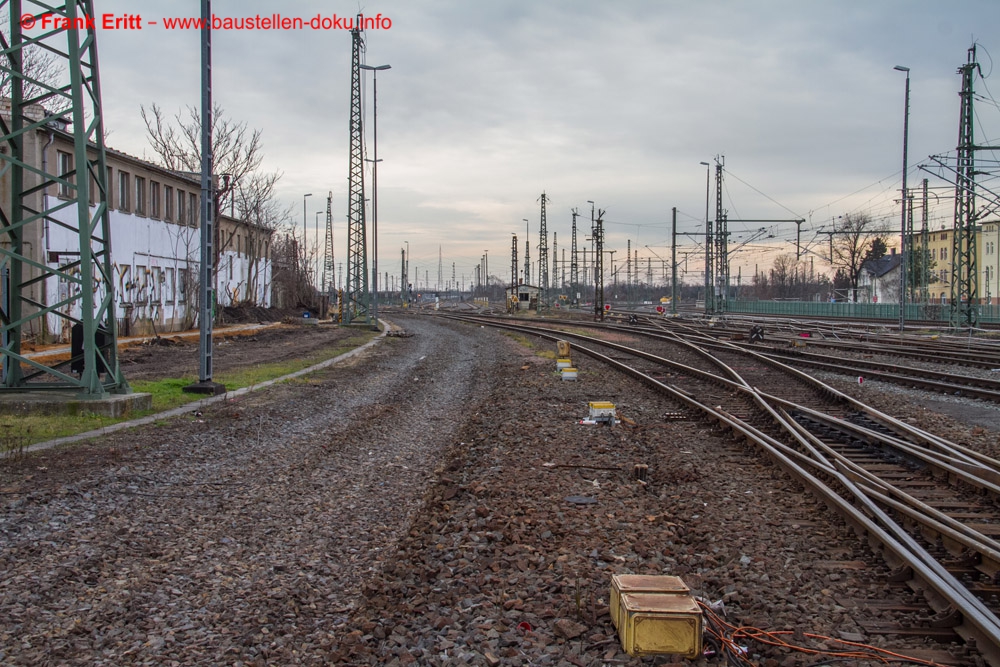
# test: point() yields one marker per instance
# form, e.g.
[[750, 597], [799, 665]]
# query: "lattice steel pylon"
[[40, 295], [326, 283], [513, 265], [357, 297], [599, 267], [574, 266], [964, 279], [924, 250], [527, 254], [721, 279], [543, 257]]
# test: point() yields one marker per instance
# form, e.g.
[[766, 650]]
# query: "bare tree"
[[37, 64], [237, 151], [254, 202], [242, 188], [855, 242]]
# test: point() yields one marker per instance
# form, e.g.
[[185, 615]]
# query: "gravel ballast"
[[419, 505]]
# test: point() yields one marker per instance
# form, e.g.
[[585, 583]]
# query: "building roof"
[[881, 266]]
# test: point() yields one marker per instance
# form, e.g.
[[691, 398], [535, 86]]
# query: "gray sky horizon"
[[487, 105]]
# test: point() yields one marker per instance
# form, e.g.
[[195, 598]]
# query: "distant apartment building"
[[155, 241], [941, 252]]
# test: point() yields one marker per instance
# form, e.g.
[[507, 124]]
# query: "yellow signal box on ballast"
[[601, 411], [655, 615]]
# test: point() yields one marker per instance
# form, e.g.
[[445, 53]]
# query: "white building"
[[154, 217]]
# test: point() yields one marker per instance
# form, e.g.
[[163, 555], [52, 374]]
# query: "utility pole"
[[721, 240], [628, 272], [924, 254], [563, 265], [514, 282], [709, 243], [543, 258], [402, 277], [328, 262], [357, 297], [599, 267], [673, 262], [574, 267], [440, 271], [907, 217], [527, 252], [554, 282], [24, 268], [964, 277], [593, 232], [205, 384]]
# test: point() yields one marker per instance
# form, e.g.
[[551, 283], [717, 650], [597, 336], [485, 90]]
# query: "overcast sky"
[[488, 104]]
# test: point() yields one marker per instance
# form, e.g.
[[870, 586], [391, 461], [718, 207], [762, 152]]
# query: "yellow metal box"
[[656, 624], [601, 410], [658, 584], [562, 346]]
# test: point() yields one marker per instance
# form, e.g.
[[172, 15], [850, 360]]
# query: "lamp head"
[[900, 68]]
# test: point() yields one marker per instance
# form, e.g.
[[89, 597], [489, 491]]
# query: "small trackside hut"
[[522, 297]]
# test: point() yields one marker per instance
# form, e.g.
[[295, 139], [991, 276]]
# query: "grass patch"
[[19, 431]]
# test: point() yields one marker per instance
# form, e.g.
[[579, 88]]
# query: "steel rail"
[[981, 625]]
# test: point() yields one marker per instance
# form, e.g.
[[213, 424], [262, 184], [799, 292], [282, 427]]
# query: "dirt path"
[[240, 535]]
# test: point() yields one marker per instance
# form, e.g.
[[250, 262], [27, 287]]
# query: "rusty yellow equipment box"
[[563, 347], [661, 584], [656, 624], [601, 410]]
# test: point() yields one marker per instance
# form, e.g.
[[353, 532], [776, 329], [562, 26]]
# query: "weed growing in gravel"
[[167, 393], [12, 440]]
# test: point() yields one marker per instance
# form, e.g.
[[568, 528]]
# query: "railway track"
[[929, 507], [943, 382]]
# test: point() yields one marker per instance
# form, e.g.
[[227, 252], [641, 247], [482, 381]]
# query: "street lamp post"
[[709, 280], [375, 70], [319, 260], [305, 238], [902, 235]]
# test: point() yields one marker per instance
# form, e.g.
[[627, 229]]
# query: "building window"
[[168, 289], [168, 203], [109, 184], [140, 195], [944, 236], [181, 198], [123, 191], [65, 172], [944, 253], [193, 208], [154, 199], [183, 281]]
